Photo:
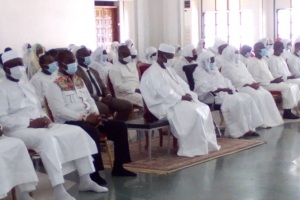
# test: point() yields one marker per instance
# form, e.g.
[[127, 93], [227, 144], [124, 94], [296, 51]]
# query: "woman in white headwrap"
[[99, 63], [240, 112], [269, 46], [26, 55], [37, 51], [113, 55], [287, 43], [129, 43], [134, 54], [150, 55], [189, 57], [242, 80], [200, 46]]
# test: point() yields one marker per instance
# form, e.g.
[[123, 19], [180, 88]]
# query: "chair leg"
[[109, 153], [222, 118], [147, 141], [13, 192], [175, 144], [161, 137]]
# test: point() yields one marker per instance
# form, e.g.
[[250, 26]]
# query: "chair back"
[[48, 111], [110, 86], [142, 67], [189, 70]]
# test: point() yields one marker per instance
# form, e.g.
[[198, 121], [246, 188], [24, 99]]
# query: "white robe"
[[219, 61], [294, 65], [191, 122], [239, 110], [59, 146], [245, 60], [278, 68], [239, 76], [261, 73], [16, 167], [125, 80], [178, 65]]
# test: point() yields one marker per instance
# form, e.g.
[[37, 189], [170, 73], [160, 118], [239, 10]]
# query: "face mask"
[[263, 52], [169, 62], [127, 59], [72, 68], [132, 60], [52, 67], [87, 60], [288, 47], [247, 55], [195, 57], [179, 53], [29, 50], [16, 72], [236, 58], [104, 58], [298, 53], [212, 66]]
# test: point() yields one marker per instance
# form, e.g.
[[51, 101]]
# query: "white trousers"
[[135, 98]]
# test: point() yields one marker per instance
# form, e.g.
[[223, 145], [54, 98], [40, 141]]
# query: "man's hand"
[[138, 91], [107, 100], [40, 123], [291, 77], [255, 86], [277, 80], [186, 97], [92, 119]]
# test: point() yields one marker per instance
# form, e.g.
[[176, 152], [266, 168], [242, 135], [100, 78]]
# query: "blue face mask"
[[52, 67], [263, 52], [29, 50], [71, 68], [288, 47], [104, 58], [212, 66], [87, 60], [298, 53], [247, 55]]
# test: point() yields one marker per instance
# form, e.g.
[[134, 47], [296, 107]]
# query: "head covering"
[[218, 42], [228, 54], [74, 49], [285, 42], [97, 55], [265, 41], [115, 46], [204, 60], [9, 55], [128, 43], [148, 53], [199, 47], [133, 52], [24, 48], [166, 48], [187, 51], [71, 46]]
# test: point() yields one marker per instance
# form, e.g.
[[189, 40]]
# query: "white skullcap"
[[133, 52], [187, 51], [9, 55], [167, 48]]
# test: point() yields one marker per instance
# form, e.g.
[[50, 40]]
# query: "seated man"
[[240, 112], [168, 96], [125, 78], [294, 60], [16, 168], [62, 148], [259, 70], [278, 65], [242, 80], [245, 54], [72, 104], [97, 89], [46, 75], [189, 57]]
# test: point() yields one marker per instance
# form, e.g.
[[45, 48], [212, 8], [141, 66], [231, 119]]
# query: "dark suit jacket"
[[105, 91]]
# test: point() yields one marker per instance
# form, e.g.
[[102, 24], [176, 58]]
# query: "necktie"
[[94, 83]]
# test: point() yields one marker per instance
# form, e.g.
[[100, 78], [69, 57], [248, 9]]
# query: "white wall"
[[53, 23], [127, 20]]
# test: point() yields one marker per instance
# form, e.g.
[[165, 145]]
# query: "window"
[[235, 27], [284, 23]]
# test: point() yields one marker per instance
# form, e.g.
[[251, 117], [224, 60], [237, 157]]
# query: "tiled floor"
[[262, 173]]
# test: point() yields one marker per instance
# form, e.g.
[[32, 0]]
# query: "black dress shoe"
[[122, 172], [290, 116], [98, 179]]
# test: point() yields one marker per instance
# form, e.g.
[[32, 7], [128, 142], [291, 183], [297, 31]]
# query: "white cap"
[[167, 48], [9, 55], [133, 52]]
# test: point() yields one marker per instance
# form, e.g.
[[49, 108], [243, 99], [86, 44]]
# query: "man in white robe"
[[259, 70], [168, 96], [245, 54], [278, 65], [45, 76], [63, 148], [294, 60], [240, 112], [242, 80], [125, 78], [189, 57], [16, 168]]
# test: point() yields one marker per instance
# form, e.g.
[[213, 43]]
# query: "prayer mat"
[[162, 163]]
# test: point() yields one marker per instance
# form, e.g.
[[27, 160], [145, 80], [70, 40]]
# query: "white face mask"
[[16, 72], [169, 62], [127, 59]]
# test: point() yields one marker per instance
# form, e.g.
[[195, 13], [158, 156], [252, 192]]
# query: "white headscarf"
[[200, 46], [129, 43], [34, 60], [204, 60], [148, 53], [285, 42], [218, 43], [265, 41], [26, 55], [133, 52], [187, 51], [97, 55], [228, 54]]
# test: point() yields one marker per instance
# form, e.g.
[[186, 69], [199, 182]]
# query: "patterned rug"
[[163, 164]]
